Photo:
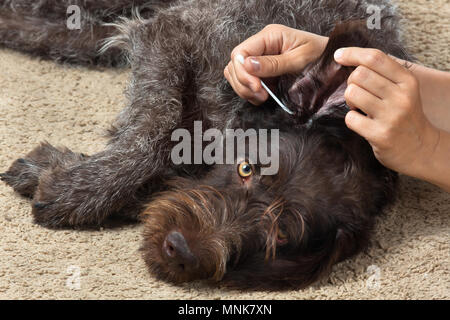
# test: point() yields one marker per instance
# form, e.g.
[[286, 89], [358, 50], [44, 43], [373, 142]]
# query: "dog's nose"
[[179, 253]]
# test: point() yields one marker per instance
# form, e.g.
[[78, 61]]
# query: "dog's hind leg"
[[53, 40], [58, 8], [48, 29]]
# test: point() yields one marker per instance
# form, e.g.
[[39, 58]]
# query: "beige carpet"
[[41, 100]]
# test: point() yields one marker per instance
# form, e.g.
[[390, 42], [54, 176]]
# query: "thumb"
[[277, 65], [268, 66]]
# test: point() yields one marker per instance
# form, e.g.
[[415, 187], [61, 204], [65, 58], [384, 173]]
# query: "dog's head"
[[248, 229]]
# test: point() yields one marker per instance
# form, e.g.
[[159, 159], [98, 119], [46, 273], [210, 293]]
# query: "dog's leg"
[[72, 189], [58, 8], [87, 192], [51, 29], [52, 39], [23, 175]]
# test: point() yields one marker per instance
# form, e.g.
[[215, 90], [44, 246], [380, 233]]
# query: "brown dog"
[[222, 222]]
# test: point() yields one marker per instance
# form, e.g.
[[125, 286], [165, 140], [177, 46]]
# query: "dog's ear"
[[322, 84]]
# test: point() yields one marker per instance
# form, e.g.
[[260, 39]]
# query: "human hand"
[[274, 51], [395, 125]]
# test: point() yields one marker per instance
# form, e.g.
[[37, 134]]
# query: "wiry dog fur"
[[329, 187]]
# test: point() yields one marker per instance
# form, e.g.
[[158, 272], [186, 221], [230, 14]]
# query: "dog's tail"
[[70, 31]]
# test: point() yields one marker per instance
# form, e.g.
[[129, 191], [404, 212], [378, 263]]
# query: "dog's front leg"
[[87, 192]]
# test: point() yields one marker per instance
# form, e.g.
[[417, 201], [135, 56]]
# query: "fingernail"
[[240, 58], [256, 65], [338, 54]]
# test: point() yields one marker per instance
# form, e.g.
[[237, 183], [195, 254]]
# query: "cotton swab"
[[242, 61]]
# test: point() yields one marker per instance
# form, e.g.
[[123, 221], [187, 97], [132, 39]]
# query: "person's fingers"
[[274, 66], [274, 51], [291, 61], [373, 59], [242, 91], [372, 82], [259, 93], [256, 45], [226, 73], [358, 98], [361, 124], [250, 81], [265, 42]]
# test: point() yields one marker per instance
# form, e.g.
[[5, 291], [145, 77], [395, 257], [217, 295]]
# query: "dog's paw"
[[63, 200], [22, 176], [53, 209], [49, 214], [52, 206], [61, 211]]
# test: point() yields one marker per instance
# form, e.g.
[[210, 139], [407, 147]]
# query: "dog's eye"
[[245, 170]]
